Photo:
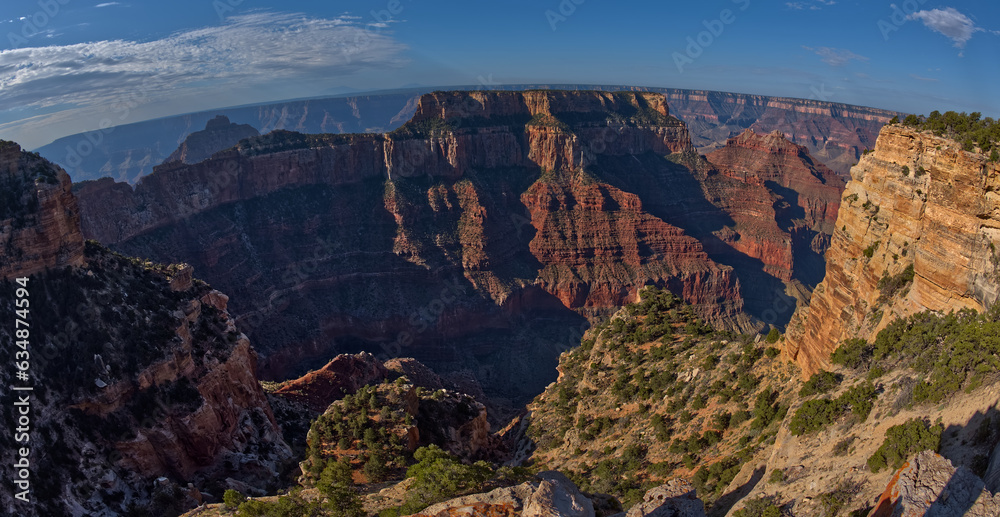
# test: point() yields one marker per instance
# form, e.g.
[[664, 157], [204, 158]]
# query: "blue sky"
[[73, 65]]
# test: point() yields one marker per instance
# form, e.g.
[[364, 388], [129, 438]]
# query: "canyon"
[[483, 234], [568, 243]]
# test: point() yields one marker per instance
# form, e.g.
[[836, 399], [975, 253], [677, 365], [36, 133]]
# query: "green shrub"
[[888, 286], [860, 398], [815, 415], [773, 336], [842, 447], [903, 440], [833, 501], [852, 353], [869, 252], [439, 475], [820, 382], [233, 498], [971, 129], [760, 507]]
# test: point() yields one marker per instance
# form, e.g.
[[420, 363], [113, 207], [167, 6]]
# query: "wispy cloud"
[[835, 56], [925, 79], [949, 22], [813, 5], [253, 48], [107, 4]]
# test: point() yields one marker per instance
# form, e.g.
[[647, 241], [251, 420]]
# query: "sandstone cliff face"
[[485, 209], [917, 200], [39, 218], [219, 134]]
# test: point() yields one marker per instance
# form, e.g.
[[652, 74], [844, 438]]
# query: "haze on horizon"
[[68, 66]]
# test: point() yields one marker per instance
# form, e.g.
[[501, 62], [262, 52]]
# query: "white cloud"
[[835, 56], [814, 5], [258, 48], [950, 22], [925, 79], [107, 4]]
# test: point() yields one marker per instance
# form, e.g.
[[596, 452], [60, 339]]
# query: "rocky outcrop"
[[219, 134], [917, 201], [551, 495], [39, 218], [138, 371], [676, 498], [928, 485], [344, 375]]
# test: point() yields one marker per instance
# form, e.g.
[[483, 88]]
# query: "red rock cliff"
[[783, 202]]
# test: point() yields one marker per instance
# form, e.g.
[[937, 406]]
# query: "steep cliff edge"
[[39, 218], [219, 134], [919, 207]]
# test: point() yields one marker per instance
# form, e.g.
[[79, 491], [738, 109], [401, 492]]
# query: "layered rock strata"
[[917, 201]]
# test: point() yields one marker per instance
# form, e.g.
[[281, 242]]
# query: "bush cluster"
[[971, 130], [815, 415], [903, 440], [954, 351]]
